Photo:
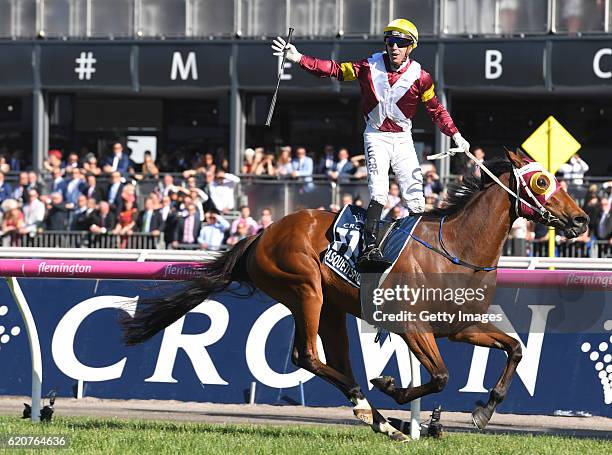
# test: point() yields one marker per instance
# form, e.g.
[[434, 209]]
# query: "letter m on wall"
[[185, 68]]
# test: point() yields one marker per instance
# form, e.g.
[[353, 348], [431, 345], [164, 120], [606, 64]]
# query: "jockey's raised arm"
[[392, 85]]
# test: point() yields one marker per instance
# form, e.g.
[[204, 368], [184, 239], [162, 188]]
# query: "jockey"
[[391, 86]]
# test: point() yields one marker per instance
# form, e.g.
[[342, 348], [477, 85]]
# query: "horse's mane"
[[460, 193]]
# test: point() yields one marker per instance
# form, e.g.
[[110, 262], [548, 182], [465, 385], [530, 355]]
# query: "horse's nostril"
[[580, 220]]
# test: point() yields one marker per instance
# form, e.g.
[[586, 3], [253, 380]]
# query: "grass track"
[[114, 436]]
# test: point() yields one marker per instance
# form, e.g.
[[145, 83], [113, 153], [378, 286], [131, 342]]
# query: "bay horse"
[[285, 262]]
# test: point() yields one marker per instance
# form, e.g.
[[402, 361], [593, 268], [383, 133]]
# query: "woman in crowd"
[[247, 162], [283, 164], [266, 166], [127, 221], [13, 221], [148, 168]]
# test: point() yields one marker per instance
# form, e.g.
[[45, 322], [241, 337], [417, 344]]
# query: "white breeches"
[[396, 150]]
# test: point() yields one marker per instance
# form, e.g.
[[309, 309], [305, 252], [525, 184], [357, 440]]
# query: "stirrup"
[[372, 260]]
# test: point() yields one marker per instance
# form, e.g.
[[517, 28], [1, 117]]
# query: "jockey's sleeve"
[[436, 111], [346, 71]]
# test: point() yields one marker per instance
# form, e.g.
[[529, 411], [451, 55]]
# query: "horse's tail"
[[155, 314]]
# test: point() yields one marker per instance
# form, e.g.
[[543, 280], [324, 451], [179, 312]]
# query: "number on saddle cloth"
[[342, 253]]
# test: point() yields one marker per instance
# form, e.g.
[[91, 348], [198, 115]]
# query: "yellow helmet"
[[404, 29]]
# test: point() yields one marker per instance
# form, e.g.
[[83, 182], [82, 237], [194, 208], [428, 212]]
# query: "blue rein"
[[444, 252]]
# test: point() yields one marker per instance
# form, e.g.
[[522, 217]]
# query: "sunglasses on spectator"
[[401, 42]]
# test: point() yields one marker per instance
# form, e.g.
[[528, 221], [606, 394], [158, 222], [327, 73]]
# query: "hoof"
[[480, 418], [390, 430], [365, 415], [383, 383]]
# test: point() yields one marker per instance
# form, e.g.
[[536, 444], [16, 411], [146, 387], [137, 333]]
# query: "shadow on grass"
[[200, 428]]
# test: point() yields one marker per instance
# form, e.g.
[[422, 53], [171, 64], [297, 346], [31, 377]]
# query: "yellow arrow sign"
[[551, 145]]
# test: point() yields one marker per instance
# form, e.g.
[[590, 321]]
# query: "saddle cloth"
[[344, 249]]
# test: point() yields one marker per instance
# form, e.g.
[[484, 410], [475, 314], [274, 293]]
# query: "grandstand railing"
[[84, 239]]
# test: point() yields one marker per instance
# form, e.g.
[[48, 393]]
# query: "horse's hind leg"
[[489, 336], [425, 348], [332, 329]]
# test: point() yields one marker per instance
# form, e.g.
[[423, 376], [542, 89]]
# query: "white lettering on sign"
[[493, 67], [256, 351], [597, 64], [62, 344], [194, 345], [528, 368], [184, 69], [376, 356]]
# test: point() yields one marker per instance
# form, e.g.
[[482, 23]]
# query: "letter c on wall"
[[256, 351], [62, 344]]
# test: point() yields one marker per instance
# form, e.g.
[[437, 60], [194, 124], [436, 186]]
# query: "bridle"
[[519, 173]]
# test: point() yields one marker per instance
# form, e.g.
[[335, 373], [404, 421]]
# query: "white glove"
[[461, 143], [279, 46]]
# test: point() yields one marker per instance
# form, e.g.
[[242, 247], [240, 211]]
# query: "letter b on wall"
[[493, 67]]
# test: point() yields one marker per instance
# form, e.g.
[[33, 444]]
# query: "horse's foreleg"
[[489, 336], [425, 348], [332, 330]]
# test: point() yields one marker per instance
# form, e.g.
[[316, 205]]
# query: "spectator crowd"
[[195, 206], [81, 195]]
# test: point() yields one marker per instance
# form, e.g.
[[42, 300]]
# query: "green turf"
[[114, 436]]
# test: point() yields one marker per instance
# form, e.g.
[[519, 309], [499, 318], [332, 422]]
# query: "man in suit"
[[103, 221], [75, 186], [81, 217], [343, 168], [20, 193], [92, 189], [33, 183], [149, 220], [302, 165], [5, 189], [58, 213], [169, 219], [58, 184], [113, 193], [118, 162], [327, 161], [604, 223], [188, 227]]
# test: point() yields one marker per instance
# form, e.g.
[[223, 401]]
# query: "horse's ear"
[[518, 158]]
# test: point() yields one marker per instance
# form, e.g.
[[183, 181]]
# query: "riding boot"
[[372, 260]]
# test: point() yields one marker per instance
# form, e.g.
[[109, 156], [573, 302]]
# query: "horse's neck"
[[480, 230]]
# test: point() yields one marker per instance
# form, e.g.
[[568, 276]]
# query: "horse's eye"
[[543, 182]]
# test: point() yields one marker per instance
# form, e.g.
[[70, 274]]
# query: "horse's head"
[[543, 199]]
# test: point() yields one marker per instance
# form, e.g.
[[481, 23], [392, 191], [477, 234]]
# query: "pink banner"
[[128, 270], [114, 270]]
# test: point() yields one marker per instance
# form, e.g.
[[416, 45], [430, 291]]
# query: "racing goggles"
[[401, 42]]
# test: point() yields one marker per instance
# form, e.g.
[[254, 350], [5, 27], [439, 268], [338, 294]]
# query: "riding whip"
[[280, 74]]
